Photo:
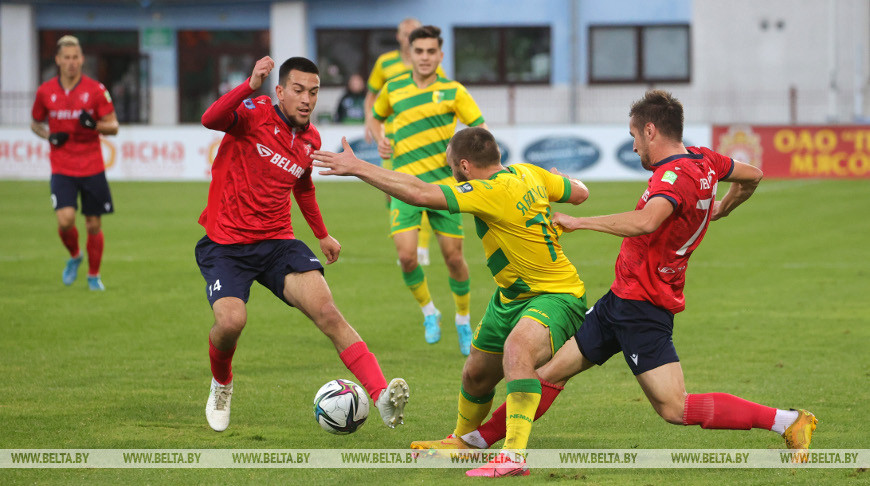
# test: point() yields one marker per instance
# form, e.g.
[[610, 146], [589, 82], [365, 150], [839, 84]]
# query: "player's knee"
[[230, 321], [455, 262], [408, 262], [672, 412], [329, 320]]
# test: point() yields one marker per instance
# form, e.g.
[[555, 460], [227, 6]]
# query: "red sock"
[[495, 429], [221, 363], [364, 366], [70, 239], [95, 253], [724, 411]]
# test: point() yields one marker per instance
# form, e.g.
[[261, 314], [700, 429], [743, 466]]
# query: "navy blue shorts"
[[96, 198], [230, 270], [642, 331]]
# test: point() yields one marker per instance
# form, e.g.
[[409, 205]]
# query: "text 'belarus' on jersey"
[[512, 217], [81, 155], [653, 267], [261, 160]]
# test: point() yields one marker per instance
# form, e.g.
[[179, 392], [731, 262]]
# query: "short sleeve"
[[104, 102], [382, 108], [39, 111], [377, 78], [558, 187], [480, 198], [466, 109], [667, 183]]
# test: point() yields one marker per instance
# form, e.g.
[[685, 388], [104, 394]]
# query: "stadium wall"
[[591, 152]]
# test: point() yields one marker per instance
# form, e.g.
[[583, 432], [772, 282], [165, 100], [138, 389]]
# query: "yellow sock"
[[472, 411], [425, 232], [416, 282], [522, 403], [461, 295]]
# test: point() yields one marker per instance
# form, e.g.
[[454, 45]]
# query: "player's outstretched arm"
[[404, 187], [579, 191], [744, 180], [632, 223]]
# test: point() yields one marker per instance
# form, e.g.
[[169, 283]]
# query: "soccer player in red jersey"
[[263, 158], [78, 109], [636, 316]]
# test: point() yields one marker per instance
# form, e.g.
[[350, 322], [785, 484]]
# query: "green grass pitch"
[[778, 304]]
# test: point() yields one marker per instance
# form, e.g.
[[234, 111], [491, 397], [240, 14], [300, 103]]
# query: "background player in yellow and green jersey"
[[425, 107], [391, 65], [539, 302]]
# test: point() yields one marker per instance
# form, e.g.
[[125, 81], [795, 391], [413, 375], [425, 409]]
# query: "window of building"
[[343, 52], [111, 57], [502, 55], [211, 63], [639, 54]]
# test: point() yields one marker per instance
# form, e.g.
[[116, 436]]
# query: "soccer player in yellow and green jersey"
[[389, 66], [425, 107], [539, 302]]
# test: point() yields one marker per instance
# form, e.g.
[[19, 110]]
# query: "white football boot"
[[391, 402], [217, 409]]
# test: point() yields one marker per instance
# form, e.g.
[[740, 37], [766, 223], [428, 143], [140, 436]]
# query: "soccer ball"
[[341, 407]]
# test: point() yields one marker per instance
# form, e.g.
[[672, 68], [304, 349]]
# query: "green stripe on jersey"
[[516, 288], [424, 124], [435, 175], [422, 98], [397, 83], [497, 262], [481, 227], [390, 62], [435, 148], [566, 192], [476, 122], [452, 203]]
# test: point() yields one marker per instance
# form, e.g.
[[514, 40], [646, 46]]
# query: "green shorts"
[[404, 217], [561, 314]]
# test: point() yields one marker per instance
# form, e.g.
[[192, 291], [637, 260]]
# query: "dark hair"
[[476, 145], [662, 110], [297, 63], [426, 32]]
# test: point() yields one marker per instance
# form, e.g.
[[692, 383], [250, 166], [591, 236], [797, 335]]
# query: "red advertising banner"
[[839, 152]]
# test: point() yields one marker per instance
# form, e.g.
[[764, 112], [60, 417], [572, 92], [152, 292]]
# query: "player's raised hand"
[[330, 248], [563, 222], [343, 164], [261, 71]]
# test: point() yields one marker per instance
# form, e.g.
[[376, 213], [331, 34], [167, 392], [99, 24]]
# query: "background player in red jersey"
[[637, 315], [262, 159], [77, 109]]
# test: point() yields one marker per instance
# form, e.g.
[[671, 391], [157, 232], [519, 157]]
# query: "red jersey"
[[81, 155], [652, 267], [261, 160]]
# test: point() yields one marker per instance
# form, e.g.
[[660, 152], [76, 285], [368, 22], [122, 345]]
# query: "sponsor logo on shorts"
[[634, 358]]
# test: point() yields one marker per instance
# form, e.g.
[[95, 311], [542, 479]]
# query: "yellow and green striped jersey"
[[512, 217], [390, 66], [425, 120]]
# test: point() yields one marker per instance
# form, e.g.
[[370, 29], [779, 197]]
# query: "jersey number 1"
[[540, 219]]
